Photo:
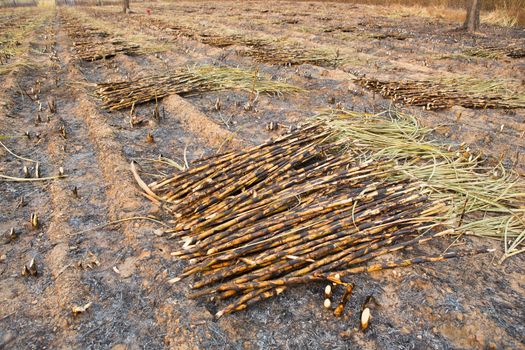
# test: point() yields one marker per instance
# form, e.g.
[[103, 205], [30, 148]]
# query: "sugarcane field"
[[262, 174]]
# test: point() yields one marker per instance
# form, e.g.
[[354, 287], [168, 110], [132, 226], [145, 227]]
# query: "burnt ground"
[[122, 269]]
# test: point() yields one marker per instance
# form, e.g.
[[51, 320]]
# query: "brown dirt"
[[122, 269]]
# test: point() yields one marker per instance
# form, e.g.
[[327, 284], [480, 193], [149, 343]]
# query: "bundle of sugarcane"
[[291, 55], [393, 35], [89, 46], [291, 211], [495, 52], [440, 95], [219, 40], [119, 95], [516, 52], [79, 31], [97, 50]]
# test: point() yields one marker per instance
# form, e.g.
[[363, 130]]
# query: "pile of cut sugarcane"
[[291, 211], [98, 50], [91, 44], [119, 95], [267, 51], [434, 95], [291, 55], [495, 52], [218, 40], [393, 35]]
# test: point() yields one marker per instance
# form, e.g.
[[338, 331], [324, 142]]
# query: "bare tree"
[[472, 21], [125, 4]]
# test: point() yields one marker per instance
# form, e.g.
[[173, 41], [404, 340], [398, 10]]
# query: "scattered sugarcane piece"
[[344, 300], [33, 179], [189, 81], [16, 155], [433, 95], [365, 318], [328, 291]]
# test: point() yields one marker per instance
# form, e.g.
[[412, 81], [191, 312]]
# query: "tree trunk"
[[125, 4], [472, 21]]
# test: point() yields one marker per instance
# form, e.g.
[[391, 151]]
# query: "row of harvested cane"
[[92, 44], [262, 50], [495, 52], [290, 55], [433, 95], [184, 82], [271, 51], [291, 211]]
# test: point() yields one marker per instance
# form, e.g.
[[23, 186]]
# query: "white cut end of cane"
[[174, 280], [365, 318], [328, 291], [327, 303], [187, 243]]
